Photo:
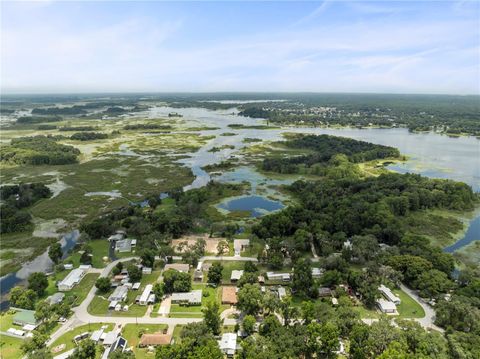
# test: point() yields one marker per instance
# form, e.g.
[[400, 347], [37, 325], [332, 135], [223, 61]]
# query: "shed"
[[236, 275]]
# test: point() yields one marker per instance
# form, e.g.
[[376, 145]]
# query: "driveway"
[[164, 309]]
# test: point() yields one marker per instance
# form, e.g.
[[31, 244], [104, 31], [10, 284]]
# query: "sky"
[[324, 46]]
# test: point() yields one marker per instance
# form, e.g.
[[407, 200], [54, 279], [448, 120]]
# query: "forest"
[[15, 198], [88, 136], [325, 148], [38, 150]]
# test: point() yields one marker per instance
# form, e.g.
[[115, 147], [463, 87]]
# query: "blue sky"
[[325, 46]]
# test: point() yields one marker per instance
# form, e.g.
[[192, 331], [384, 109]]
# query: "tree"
[[215, 273], [359, 342], [55, 252], [85, 350], [36, 342], [250, 267], [322, 339], [211, 317], [247, 277], [432, 283], [159, 291], [43, 353], [148, 257], [270, 302], [38, 282], [250, 299], [134, 273], [103, 284], [222, 247], [302, 281], [288, 311], [249, 324], [43, 311], [21, 298], [86, 258], [175, 281]]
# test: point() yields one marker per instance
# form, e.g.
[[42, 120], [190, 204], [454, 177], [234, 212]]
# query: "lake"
[[256, 205]]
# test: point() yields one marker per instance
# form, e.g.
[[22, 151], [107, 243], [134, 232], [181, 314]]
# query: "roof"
[[146, 293], [281, 292], [136, 285], [96, 335], [239, 243], [228, 342], [25, 316], [386, 305], [195, 296], [273, 275], [229, 295], [119, 293], [236, 274], [181, 267], [123, 245], [110, 337], [324, 291], [116, 237], [388, 294], [73, 277], [155, 339], [317, 271], [56, 298]]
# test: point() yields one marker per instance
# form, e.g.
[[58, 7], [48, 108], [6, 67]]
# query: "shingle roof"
[[155, 339]]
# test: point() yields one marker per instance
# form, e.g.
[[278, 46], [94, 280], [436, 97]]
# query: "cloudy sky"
[[329, 46]]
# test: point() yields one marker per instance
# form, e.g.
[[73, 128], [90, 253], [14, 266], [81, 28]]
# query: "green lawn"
[[213, 295], [132, 332], [67, 338], [10, 347], [100, 248], [228, 267], [408, 308], [99, 306], [176, 333], [81, 290]]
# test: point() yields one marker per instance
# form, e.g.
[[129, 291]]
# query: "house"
[[284, 277], [68, 266], [236, 275], [239, 245], [133, 243], [116, 237], [154, 339], [198, 274], [119, 294], [189, 298], [123, 245], [110, 337], [317, 272], [97, 335], [145, 295], [228, 344], [112, 304], [324, 292], [72, 279], [386, 306], [136, 286], [25, 317], [146, 270], [229, 295], [151, 299], [55, 298], [388, 294], [181, 267]]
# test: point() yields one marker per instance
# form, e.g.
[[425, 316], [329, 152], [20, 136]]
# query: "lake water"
[[256, 205], [42, 263]]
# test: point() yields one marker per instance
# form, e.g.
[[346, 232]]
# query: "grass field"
[[209, 295], [133, 333], [67, 338], [81, 290], [100, 248], [10, 347], [408, 307]]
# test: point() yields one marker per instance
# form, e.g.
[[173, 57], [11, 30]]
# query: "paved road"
[[429, 318]]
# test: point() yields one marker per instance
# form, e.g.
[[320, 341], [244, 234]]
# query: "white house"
[[191, 298], [228, 344], [285, 277], [317, 272], [388, 294], [72, 279], [119, 294], [386, 306], [236, 275], [239, 245], [145, 295]]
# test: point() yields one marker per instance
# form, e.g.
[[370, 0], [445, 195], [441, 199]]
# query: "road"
[[427, 321]]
